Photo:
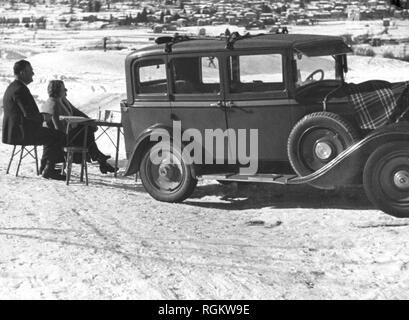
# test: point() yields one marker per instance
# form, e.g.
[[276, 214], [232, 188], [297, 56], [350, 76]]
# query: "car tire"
[[386, 178], [169, 179], [317, 139]]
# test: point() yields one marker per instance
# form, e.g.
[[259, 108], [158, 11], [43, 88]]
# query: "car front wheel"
[[166, 175], [386, 178]]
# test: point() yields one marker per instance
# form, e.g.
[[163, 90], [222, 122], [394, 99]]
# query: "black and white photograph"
[[180, 150]]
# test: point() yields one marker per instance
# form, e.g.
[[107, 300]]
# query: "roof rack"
[[230, 39], [169, 40], [233, 37]]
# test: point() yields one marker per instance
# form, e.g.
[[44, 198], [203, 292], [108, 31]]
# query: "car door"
[[148, 104], [257, 98], [197, 102]]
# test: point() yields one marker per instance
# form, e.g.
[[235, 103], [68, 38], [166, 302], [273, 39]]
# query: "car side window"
[[256, 73], [194, 75], [152, 76], [210, 69]]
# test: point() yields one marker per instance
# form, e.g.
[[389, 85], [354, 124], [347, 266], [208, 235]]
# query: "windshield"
[[311, 69]]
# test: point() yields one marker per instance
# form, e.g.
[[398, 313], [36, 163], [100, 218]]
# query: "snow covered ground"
[[111, 240]]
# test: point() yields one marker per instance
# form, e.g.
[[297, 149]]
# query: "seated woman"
[[58, 105]]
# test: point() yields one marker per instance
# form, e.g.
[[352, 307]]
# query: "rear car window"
[[152, 76]]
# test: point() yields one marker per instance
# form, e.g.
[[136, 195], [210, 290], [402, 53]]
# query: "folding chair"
[[23, 151]]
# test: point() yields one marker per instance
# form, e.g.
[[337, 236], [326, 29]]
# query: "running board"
[[262, 177]]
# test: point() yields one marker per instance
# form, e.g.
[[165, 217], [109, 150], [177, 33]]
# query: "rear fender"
[[143, 142]]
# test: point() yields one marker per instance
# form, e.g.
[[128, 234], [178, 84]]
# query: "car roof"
[[319, 44]]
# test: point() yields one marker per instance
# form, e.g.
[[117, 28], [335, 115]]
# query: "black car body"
[[289, 87]]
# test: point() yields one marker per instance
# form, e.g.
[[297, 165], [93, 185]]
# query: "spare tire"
[[317, 139]]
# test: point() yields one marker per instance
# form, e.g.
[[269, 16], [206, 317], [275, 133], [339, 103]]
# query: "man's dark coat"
[[22, 121]]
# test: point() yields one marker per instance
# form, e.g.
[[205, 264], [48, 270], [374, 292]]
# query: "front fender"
[[335, 169]]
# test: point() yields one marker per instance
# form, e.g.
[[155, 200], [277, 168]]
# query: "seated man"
[[23, 123]]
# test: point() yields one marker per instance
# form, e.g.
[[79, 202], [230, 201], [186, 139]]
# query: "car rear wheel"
[[166, 175], [317, 139], [386, 178]]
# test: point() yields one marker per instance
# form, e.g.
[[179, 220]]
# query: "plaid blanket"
[[378, 103]]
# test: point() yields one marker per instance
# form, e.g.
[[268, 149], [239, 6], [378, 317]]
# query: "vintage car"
[[278, 29], [310, 125], [255, 25]]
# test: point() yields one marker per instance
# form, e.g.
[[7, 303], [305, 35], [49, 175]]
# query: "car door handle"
[[230, 104], [218, 104]]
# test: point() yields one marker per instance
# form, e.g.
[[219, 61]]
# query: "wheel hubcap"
[[323, 150], [401, 179], [165, 171], [317, 146]]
